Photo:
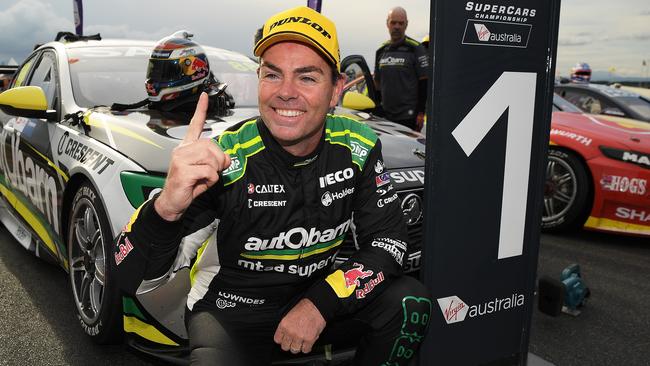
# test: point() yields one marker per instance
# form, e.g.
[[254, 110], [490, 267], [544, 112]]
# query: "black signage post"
[[487, 137]]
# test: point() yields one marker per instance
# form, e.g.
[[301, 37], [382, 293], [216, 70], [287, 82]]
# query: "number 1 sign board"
[[489, 117]]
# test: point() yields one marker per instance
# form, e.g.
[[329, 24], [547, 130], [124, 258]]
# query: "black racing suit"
[[280, 223], [401, 71]]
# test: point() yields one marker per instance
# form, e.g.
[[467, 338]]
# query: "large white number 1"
[[514, 91]]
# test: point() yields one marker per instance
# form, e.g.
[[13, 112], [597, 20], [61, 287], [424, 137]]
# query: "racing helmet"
[[177, 68], [581, 73]]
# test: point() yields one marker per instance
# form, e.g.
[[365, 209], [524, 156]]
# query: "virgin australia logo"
[[482, 32], [453, 309]]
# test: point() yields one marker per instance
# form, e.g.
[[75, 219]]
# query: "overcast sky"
[[605, 34]]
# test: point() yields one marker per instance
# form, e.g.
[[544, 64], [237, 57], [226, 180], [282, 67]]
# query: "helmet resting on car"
[[581, 72], [177, 67]]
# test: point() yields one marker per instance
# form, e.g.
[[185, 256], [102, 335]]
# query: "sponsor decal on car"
[[617, 183], [633, 214], [336, 177], [28, 177], [83, 153], [571, 135], [455, 310], [641, 159], [634, 157], [415, 175]]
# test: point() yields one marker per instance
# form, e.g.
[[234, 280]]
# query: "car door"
[[359, 78], [30, 174]]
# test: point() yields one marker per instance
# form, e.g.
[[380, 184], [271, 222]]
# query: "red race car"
[[597, 172]]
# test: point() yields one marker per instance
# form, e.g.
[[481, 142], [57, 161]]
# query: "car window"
[[45, 77], [21, 75], [561, 104], [638, 105], [583, 100], [107, 75]]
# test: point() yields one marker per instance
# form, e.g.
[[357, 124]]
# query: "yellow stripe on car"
[[50, 163], [615, 225], [146, 331], [90, 120], [30, 218]]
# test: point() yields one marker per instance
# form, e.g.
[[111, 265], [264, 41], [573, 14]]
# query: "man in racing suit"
[[400, 76], [291, 184]]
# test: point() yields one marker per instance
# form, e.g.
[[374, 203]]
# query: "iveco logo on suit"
[[337, 177]]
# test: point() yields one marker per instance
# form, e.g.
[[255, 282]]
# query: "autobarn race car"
[[597, 172], [72, 171]]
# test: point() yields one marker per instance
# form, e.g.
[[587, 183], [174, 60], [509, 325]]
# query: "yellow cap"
[[301, 24]]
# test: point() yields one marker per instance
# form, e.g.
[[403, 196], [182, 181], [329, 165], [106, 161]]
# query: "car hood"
[[148, 136], [631, 133]]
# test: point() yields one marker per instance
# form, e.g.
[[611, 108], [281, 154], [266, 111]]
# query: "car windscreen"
[[637, 104], [106, 75], [564, 105]]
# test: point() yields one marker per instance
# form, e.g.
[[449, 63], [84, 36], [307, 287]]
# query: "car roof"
[[602, 89], [137, 43]]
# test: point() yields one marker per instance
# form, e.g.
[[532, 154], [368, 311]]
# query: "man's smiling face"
[[295, 93]]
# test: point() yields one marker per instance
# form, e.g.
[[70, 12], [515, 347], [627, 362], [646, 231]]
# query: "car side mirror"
[[26, 101], [357, 101]]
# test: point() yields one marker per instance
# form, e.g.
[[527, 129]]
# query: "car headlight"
[[628, 156], [139, 187]]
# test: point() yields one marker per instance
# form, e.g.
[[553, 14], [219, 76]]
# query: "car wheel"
[[566, 191], [96, 296]]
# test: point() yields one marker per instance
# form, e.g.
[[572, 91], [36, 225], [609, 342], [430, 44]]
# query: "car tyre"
[[566, 191], [96, 296]]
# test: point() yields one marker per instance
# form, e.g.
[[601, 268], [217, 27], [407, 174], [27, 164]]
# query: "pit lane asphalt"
[[38, 326]]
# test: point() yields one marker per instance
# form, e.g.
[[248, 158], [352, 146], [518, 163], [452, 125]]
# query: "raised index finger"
[[198, 120]]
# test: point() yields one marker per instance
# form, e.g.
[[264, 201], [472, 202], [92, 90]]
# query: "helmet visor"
[[164, 70]]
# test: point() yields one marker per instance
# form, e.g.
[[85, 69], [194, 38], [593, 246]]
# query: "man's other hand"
[[194, 167], [300, 328]]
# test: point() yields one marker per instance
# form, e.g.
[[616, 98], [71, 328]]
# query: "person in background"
[[401, 69], [286, 188], [581, 73]]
